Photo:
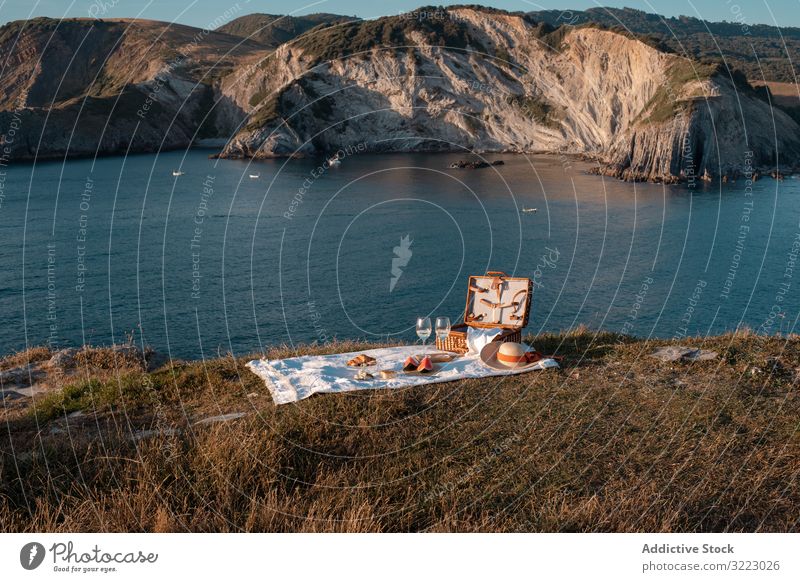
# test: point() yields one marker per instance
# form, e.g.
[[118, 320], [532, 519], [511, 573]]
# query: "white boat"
[[334, 162], [534, 210], [178, 172], [255, 176]]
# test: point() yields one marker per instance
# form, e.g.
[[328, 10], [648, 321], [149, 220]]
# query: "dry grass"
[[615, 441], [25, 358], [124, 357]]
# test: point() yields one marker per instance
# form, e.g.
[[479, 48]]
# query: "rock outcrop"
[[82, 87], [504, 83]]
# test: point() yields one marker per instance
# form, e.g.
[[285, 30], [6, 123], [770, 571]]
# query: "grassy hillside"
[[615, 441], [272, 30], [392, 31]]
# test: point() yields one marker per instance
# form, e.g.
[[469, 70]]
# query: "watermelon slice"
[[410, 364], [426, 366]]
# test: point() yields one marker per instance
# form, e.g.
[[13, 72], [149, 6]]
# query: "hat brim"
[[489, 358]]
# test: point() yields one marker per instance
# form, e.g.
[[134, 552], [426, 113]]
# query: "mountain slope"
[[80, 86], [468, 78], [494, 81], [762, 52], [273, 30]]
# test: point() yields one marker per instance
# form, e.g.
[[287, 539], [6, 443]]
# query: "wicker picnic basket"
[[493, 300]]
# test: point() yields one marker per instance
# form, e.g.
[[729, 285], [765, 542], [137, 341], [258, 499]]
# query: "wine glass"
[[442, 328], [423, 329]]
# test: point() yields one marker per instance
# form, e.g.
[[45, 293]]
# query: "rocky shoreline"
[[627, 175]]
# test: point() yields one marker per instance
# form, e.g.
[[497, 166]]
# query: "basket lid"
[[497, 300]]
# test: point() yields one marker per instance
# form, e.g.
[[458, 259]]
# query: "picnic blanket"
[[294, 379]]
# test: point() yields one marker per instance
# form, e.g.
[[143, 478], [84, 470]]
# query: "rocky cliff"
[[463, 79], [494, 81]]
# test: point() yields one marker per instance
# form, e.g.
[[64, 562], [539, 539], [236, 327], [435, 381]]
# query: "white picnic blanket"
[[294, 379]]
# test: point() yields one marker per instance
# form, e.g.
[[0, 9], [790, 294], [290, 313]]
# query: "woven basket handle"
[[496, 274]]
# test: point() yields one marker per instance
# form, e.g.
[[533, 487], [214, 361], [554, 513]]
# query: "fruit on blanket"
[[426, 366], [362, 360], [410, 364]]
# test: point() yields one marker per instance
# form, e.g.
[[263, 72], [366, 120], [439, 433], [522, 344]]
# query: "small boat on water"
[[534, 210], [334, 162], [255, 176], [178, 172]]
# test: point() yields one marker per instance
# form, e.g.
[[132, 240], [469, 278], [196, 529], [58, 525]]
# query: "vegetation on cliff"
[[667, 100], [272, 30], [326, 43]]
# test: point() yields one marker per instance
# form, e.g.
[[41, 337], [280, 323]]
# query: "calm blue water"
[[209, 261]]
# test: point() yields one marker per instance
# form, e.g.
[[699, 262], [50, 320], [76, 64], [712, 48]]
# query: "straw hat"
[[509, 356]]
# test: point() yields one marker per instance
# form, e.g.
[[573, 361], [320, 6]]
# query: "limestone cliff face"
[[513, 86], [727, 133], [458, 80]]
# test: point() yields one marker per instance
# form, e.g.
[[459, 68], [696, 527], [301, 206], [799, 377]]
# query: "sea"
[[197, 257]]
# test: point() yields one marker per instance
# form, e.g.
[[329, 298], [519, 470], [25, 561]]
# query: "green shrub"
[[71, 398], [392, 31], [270, 110], [536, 109], [128, 389]]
